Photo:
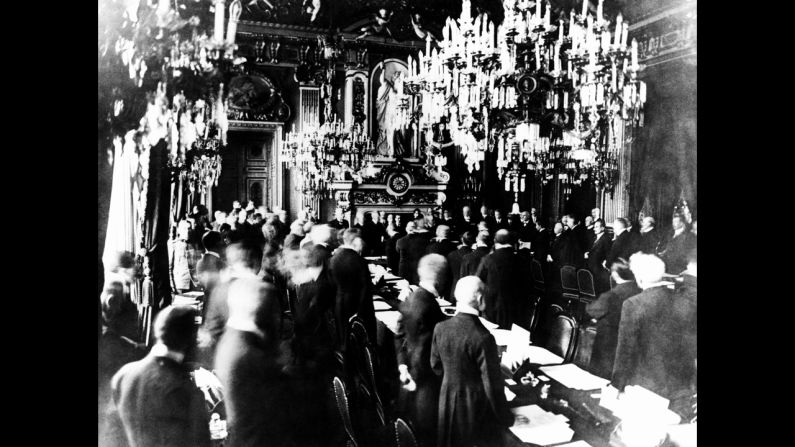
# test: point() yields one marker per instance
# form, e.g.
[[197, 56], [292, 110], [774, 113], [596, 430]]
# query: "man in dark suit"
[[351, 277], [293, 240], [540, 242], [411, 248], [578, 232], [596, 255], [249, 364], [447, 219], [441, 244], [678, 245], [370, 235], [622, 246], [390, 248], [607, 311], [649, 240], [339, 222], [652, 351], [209, 267], [455, 259], [563, 248], [466, 222], [499, 222], [157, 402], [470, 262], [419, 314], [507, 280], [527, 229], [472, 406]]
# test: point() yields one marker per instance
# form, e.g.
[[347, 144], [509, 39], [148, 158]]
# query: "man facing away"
[[472, 408], [653, 350], [419, 314], [507, 278], [411, 248], [157, 402], [607, 311], [456, 258], [470, 262], [351, 277]]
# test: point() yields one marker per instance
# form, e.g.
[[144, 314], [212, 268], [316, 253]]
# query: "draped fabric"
[[664, 150], [156, 224], [120, 235]]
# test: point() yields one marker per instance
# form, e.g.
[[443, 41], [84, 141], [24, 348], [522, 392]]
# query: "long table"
[[590, 422]]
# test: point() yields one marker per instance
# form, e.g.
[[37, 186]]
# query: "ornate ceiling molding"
[[668, 35]]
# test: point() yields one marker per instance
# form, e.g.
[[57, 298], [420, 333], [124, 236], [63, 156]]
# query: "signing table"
[[553, 403]]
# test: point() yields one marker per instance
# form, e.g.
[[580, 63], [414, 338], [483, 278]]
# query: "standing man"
[[679, 244], [607, 311], [500, 222], [419, 314], [472, 407], [577, 235], [649, 236], [441, 244], [411, 248], [471, 261], [527, 229], [351, 277], [507, 280], [467, 221], [339, 222], [653, 351], [456, 258], [596, 255], [156, 400], [622, 246], [210, 265]]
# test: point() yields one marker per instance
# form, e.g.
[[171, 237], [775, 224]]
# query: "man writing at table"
[[472, 406]]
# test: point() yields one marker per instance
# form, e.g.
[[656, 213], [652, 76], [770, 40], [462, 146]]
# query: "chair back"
[[585, 339], [538, 275], [568, 282], [562, 339], [404, 435], [361, 351], [585, 285], [341, 398]]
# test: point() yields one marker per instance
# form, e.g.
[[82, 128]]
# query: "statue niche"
[[391, 138]]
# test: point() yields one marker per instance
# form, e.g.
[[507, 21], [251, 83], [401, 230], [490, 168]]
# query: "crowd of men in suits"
[[255, 270]]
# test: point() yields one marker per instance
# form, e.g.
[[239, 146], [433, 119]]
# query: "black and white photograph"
[[422, 223]]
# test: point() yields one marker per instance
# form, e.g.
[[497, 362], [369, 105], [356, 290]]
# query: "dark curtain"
[[664, 161], [158, 204]]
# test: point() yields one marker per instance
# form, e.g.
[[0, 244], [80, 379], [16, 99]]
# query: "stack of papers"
[[534, 425], [186, 300], [638, 403], [572, 376], [390, 319]]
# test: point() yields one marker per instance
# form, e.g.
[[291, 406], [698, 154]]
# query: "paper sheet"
[[534, 425], [572, 376], [443, 302], [509, 395], [489, 325], [501, 336], [575, 444], [390, 319], [541, 356], [381, 306]]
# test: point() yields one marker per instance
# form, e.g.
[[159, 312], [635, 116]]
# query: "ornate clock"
[[398, 183]]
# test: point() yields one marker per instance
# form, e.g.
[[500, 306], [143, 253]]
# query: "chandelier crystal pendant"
[[327, 154], [574, 76]]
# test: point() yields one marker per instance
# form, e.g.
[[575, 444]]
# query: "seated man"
[[472, 407], [157, 402]]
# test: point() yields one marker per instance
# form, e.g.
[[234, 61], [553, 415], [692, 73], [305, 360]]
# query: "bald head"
[[503, 237], [443, 231], [431, 268], [468, 292], [322, 234], [648, 269]]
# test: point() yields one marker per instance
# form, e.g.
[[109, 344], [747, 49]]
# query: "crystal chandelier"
[[559, 88], [326, 154]]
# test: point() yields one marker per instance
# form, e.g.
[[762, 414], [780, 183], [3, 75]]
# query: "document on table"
[[541, 356], [388, 276], [390, 319], [572, 376], [534, 425], [380, 306], [575, 444], [501, 336], [443, 302], [509, 395], [489, 325]]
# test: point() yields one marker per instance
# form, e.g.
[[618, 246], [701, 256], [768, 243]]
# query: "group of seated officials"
[[254, 269]]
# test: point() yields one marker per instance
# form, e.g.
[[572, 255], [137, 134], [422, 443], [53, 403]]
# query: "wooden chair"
[[585, 285], [562, 339], [361, 352], [538, 277], [568, 283], [404, 435], [341, 398]]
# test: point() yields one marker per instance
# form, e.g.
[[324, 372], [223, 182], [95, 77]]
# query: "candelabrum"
[[326, 154], [576, 75]]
